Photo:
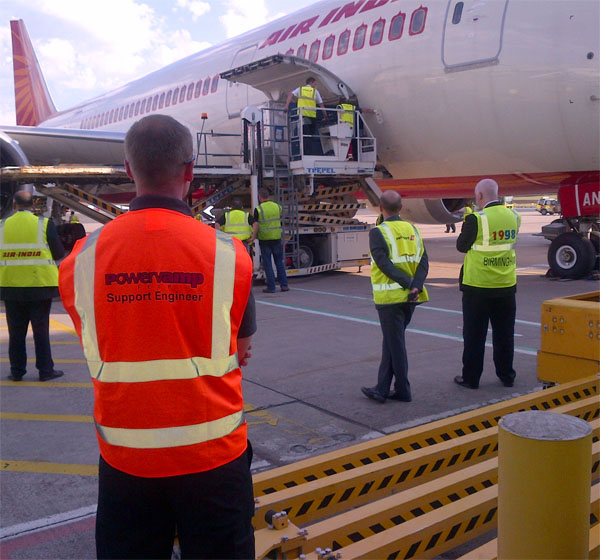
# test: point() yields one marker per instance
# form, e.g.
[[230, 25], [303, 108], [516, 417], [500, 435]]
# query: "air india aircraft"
[[452, 90]]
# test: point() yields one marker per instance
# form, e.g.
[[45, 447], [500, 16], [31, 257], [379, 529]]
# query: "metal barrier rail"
[[373, 451], [339, 492]]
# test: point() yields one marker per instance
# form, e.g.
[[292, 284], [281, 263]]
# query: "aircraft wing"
[[53, 146]]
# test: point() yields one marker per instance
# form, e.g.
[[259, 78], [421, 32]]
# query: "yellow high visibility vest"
[[308, 98], [491, 260], [25, 257], [347, 114], [406, 248], [269, 221], [237, 225]]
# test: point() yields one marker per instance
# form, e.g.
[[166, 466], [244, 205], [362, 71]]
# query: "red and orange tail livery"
[[33, 103]]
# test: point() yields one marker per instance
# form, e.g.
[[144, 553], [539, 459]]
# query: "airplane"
[[454, 91]]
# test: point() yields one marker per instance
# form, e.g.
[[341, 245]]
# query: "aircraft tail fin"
[[33, 103]]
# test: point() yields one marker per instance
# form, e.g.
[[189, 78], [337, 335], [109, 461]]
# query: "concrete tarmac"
[[315, 347]]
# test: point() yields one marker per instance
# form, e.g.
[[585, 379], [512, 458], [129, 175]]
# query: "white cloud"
[[242, 16], [195, 7]]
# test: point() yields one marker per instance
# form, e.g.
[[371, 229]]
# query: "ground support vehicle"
[[316, 192], [548, 205], [575, 236]]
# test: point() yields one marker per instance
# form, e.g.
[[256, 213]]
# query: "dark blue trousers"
[[478, 312], [273, 248], [18, 316], [394, 319]]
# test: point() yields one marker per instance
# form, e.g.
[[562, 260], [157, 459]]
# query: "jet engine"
[[432, 211]]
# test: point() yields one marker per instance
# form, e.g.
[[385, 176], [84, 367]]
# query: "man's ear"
[[128, 170], [189, 171]]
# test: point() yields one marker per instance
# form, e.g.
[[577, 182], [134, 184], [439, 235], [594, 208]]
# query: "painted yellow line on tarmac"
[[48, 468], [46, 417], [44, 384], [56, 361], [4, 340], [66, 328]]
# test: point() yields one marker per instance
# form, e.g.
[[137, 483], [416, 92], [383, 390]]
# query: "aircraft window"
[[377, 32], [111, 116], [175, 96], [131, 107], [458, 10], [104, 118], [314, 51], [198, 89], [149, 104], [215, 84], [343, 42], [417, 21], [182, 94], [328, 47], [396, 26], [161, 100], [143, 106], [359, 37], [190, 91], [206, 87], [168, 99], [137, 108], [302, 51], [155, 102], [120, 117], [290, 52]]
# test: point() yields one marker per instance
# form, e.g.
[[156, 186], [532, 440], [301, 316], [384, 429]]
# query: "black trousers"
[[18, 316], [211, 513], [479, 310], [394, 363]]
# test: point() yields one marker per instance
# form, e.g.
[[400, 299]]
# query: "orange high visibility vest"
[[157, 299]]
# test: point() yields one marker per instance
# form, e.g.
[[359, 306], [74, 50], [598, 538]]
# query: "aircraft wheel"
[[571, 255]]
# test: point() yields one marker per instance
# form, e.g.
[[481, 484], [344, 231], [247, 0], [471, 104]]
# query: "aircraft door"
[[236, 97], [473, 32]]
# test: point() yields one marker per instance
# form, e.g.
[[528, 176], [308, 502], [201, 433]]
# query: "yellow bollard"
[[544, 483]]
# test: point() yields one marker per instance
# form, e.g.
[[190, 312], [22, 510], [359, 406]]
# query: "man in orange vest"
[[163, 307]]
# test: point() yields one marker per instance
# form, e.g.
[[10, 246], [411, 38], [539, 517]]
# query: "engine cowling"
[[11, 154], [432, 211]]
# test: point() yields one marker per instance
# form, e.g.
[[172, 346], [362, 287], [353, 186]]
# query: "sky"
[[88, 47]]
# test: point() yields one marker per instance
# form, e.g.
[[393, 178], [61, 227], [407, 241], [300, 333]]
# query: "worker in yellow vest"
[[29, 247], [236, 222], [346, 117], [73, 219], [267, 228], [308, 98], [399, 266], [488, 281]]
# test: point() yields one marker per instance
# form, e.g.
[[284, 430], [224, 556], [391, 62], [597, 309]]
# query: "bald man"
[[399, 266], [488, 281]]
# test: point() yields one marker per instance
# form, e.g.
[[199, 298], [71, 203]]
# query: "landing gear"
[[571, 255]]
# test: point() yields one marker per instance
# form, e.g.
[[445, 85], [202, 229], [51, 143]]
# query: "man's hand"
[[243, 360], [413, 295]]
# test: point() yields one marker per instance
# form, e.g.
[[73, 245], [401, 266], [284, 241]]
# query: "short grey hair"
[[488, 188], [157, 146]]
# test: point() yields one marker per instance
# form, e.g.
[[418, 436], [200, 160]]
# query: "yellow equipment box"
[[570, 347]]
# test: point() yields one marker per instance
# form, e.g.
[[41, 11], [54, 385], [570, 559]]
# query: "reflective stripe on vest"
[[219, 364], [41, 271], [307, 100], [237, 225], [269, 221], [385, 290], [490, 262], [347, 113]]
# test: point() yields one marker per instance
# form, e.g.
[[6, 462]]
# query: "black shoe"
[[507, 382], [373, 394], [15, 378], [460, 381], [285, 289], [52, 375], [397, 397], [267, 291]]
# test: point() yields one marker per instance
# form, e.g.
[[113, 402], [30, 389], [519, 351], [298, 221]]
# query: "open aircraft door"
[[473, 33], [279, 74], [236, 96]]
